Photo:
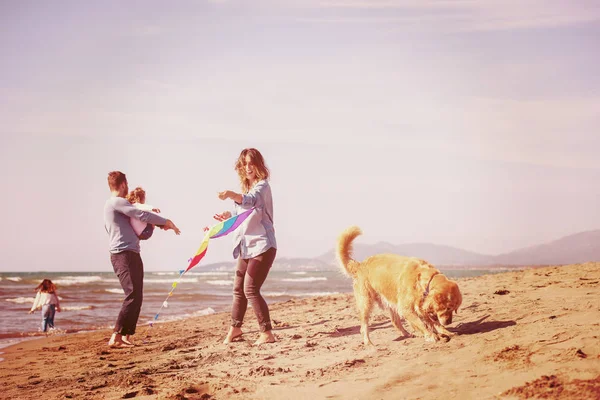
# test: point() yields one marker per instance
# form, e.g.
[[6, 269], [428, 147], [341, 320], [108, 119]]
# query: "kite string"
[[165, 303], [223, 230]]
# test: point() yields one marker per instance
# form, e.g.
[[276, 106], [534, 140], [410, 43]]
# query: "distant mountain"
[[435, 254], [573, 249], [578, 248]]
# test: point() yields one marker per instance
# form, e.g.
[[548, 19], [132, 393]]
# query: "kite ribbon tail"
[[165, 303]]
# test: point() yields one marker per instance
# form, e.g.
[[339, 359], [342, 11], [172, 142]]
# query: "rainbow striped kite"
[[216, 231]]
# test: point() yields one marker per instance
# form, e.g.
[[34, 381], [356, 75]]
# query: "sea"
[[92, 300]]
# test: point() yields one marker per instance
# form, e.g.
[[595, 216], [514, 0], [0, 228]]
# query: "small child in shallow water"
[[47, 300]]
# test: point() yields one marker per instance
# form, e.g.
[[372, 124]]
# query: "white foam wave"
[[308, 294], [77, 308], [21, 300], [199, 313], [220, 283], [210, 273], [115, 291], [75, 280], [206, 311], [170, 280], [313, 294], [278, 294], [309, 279], [299, 273], [206, 273], [14, 278]]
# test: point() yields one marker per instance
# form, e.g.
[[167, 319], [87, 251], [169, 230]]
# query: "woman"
[[254, 244]]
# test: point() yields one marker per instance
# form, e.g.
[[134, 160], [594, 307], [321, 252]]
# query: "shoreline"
[[527, 333], [80, 318]]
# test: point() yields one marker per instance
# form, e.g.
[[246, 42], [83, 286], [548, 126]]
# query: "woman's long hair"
[[46, 286], [262, 172]]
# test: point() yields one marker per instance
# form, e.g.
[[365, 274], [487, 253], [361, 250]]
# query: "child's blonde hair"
[[137, 195]]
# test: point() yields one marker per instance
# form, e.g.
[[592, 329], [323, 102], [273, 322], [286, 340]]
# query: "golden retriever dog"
[[407, 287]]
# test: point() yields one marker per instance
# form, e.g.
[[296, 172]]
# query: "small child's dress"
[[143, 230]]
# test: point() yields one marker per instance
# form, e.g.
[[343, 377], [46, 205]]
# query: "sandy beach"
[[533, 333]]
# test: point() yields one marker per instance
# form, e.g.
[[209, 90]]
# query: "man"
[[124, 247]]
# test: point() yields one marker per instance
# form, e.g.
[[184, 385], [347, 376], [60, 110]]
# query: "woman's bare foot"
[[234, 333], [265, 337]]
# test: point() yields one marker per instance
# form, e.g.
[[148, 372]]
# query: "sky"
[[472, 124]]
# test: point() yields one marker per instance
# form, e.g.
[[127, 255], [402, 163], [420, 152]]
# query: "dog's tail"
[[344, 251]]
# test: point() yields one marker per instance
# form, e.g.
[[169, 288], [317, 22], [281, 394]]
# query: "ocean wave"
[[115, 291], [199, 313], [308, 294], [309, 279], [206, 311], [74, 280], [157, 280], [210, 273], [205, 273], [220, 283], [21, 300], [14, 278], [299, 273], [77, 308], [313, 294], [170, 280]]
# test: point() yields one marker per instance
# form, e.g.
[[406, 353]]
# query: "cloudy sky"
[[472, 124]]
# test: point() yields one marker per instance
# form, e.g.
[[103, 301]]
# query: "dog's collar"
[[428, 283]]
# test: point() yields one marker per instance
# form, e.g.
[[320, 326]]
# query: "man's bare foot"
[[234, 333], [265, 337], [127, 340], [116, 340]]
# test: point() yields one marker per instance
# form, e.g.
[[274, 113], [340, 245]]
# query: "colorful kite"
[[221, 229]]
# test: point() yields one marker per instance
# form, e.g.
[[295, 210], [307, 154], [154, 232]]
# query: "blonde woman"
[[254, 244]]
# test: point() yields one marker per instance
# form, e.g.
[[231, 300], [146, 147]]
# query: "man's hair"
[[115, 179]]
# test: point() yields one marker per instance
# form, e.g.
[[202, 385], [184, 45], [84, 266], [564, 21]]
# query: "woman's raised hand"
[[224, 195], [223, 216]]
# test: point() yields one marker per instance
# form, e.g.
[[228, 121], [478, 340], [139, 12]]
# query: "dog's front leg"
[[440, 328], [419, 325]]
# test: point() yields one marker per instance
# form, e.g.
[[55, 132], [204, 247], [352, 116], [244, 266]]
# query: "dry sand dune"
[[522, 334]]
